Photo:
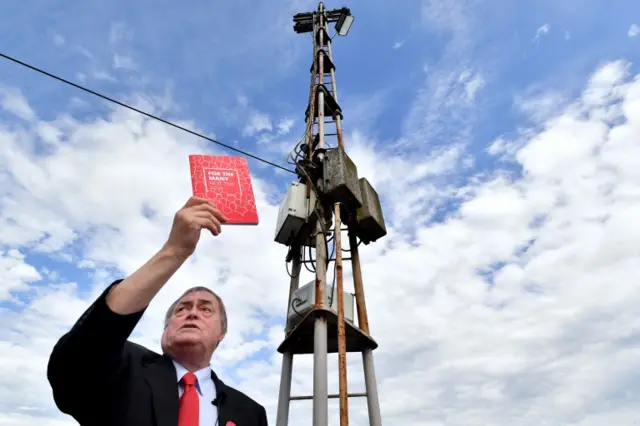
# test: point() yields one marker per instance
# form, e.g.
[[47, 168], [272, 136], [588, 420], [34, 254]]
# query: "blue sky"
[[463, 115], [189, 52]]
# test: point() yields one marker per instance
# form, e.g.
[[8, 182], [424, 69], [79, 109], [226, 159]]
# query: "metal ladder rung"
[[331, 396], [329, 260]]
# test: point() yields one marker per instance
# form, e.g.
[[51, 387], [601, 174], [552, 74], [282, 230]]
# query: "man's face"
[[195, 321]]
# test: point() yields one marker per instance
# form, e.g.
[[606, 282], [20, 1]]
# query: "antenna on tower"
[[320, 319]]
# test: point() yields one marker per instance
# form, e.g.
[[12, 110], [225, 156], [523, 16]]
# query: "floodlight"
[[344, 23]]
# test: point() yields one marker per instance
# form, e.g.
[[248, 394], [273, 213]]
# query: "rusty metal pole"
[[363, 320], [342, 344], [312, 98], [312, 106], [371, 386], [320, 349]]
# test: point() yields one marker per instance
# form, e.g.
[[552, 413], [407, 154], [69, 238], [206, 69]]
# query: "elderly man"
[[100, 378]]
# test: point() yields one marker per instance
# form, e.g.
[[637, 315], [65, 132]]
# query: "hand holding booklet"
[[226, 182]]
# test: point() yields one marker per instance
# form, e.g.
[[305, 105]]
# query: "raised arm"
[[135, 293], [92, 351]]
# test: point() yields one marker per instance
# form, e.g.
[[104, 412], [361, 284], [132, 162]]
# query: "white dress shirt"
[[206, 392]]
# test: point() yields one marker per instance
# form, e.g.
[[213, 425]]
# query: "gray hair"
[[223, 311]]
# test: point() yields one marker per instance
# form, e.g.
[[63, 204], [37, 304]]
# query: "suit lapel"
[[227, 405], [160, 375]]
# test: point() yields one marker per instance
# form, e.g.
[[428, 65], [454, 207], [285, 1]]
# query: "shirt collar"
[[203, 375]]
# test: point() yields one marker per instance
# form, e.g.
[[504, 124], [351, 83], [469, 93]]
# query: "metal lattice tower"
[[329, 176]]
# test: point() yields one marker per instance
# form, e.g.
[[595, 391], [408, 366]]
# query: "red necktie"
[[189, 408]]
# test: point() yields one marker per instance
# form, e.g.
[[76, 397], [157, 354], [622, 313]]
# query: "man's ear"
[[219, 341]]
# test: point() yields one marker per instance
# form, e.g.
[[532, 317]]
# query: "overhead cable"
[[85, 89]]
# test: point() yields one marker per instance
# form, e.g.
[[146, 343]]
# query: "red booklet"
[[226, 182]]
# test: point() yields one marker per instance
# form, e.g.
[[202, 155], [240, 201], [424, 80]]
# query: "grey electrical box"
[[305, 298], [295, 211], [369, 218], [341, 179]]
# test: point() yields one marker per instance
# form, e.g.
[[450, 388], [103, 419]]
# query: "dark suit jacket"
[[101, 379]]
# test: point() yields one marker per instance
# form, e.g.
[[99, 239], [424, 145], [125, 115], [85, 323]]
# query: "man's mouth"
[[190, 326]]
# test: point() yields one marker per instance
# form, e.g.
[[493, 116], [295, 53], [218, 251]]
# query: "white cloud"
[[105, 76], [285, 125], [541, 32], [444, 108], [58, 40], [257, 122], [539, 106], [12, 101], [15, 274], [472, 83], [120, 36], [455, 17], [124, 62], [634, 30], [84, 52]]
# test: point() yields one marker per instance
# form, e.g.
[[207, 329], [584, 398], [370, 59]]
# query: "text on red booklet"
[[226, 182]]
